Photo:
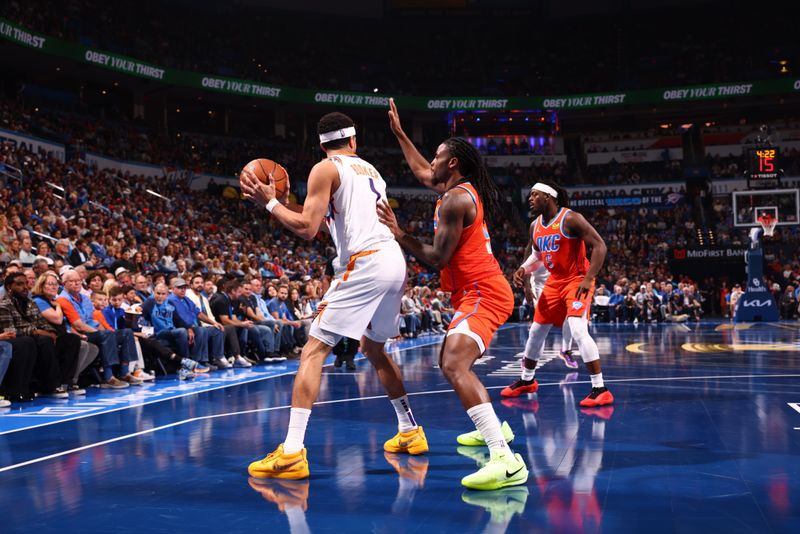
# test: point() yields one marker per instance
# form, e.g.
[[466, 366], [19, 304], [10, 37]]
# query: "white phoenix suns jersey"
[[352, 217]]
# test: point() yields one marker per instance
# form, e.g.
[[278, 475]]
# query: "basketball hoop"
[[767, 222]]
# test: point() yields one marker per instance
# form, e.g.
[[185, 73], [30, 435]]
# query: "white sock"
[[488, 425], [527, 374], [405, 419], [298, 420], [597, 380]]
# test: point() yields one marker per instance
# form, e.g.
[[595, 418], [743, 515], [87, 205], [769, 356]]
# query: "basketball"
[[262, 169]]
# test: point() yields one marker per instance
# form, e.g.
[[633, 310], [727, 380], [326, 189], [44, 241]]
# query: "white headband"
[[335, 135], [546, 189]]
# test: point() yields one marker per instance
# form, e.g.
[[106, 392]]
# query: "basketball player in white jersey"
[[363, 301]]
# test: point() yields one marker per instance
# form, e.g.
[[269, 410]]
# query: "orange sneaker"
[[598, 397], [279, 465], [413, 442], [520, 387]]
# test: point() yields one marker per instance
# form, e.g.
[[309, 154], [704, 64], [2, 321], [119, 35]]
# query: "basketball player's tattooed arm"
[[456, 206], [575, 224], [420, 167], [322, 183]]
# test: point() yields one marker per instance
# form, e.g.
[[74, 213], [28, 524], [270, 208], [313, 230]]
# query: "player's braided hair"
[[474, 170], [563, 197]]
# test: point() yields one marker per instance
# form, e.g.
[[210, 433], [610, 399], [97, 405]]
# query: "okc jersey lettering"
[[548, 243], [562, 254]]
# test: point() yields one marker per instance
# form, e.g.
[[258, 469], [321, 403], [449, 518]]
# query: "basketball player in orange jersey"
[[483, 300], [559, 236], [363, 301]]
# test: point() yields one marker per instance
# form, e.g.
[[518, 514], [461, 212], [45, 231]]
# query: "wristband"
[[271, 204]]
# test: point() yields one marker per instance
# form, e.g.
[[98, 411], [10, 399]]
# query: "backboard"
[[782, 204]]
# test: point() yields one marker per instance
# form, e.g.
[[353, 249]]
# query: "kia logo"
[[756, 303]]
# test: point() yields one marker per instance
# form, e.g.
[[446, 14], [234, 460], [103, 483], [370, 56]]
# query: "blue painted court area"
[[704, 436]]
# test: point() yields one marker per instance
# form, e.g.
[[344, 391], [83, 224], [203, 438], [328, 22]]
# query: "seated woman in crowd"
[[45, 292]]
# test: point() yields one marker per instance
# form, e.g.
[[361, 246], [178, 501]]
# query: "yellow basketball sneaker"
[[502, 470], [475, 439], [413, 442], [279, 465]]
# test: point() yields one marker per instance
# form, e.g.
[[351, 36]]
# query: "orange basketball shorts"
[[557, 301], [481, 308]]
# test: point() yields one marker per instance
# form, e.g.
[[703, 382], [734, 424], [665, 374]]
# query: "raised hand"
[[394, 118]]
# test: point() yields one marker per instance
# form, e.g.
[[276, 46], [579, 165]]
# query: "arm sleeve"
[[533, 262]]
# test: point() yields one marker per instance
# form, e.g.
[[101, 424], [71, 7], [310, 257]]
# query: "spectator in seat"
[[27, 254], [196, 294], [208, 342], [169, 328], [45, 296], [61, 252], [56, 355], [142, 285], [115, 319], [409, 314], [615, 303], [115, 352], [80, 253], [293, 334], [787, 304], [5, 361], [226, 308], [15, 382], [257, 311]]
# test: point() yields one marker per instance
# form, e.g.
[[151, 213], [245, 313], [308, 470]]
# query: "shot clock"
[[764, 170]]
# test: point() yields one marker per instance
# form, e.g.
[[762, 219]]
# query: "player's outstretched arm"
[[454, 208], [419, 165], [307, 222], [575, 224]]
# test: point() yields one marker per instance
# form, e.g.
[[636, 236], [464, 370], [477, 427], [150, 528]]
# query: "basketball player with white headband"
[[363, 301], [560, 236], [531, 277]]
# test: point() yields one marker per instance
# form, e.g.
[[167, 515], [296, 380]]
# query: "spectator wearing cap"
[[56, 354], [169, 327], [123, 276], [208, 341], [80, 313]]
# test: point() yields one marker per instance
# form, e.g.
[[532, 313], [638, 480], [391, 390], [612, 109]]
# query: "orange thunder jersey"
[[472, 260], [563, 255]]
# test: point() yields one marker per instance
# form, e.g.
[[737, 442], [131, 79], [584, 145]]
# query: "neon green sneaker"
[[475, 439], [502, 470], [502, 504]]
